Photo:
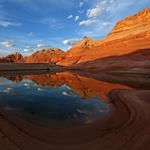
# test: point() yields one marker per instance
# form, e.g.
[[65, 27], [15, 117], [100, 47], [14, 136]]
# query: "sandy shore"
[[126, 127]]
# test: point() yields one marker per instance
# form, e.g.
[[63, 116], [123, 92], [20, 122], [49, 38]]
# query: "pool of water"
[[49, 106]]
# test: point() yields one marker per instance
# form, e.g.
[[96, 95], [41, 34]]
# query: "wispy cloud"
[[40, 45], [70, 16], [7, 43], [5, 23], [88, 22], [76, 18], [70, 42], [94, 12], [28, 49]]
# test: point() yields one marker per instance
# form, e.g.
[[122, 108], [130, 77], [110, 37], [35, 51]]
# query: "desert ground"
[[127, 127]]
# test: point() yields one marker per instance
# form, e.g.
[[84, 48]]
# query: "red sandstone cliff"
[[132, 26]]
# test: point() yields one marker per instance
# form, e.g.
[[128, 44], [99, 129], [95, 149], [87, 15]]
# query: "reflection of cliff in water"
[[85, 87], [16, 79]]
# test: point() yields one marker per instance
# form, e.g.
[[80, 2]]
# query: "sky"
[[29, 25]]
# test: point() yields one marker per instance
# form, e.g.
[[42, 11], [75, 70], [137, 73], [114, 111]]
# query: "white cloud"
[[7, 44], [7, 90], [88, 22], [5, 23], [94, 12], [40, 45], [40, 89], [102, 6], [70, 41], [28, 49], [76, 18], [81, 4], [70, 16]]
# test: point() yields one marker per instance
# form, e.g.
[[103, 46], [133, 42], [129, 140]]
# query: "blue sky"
[[29, 25]]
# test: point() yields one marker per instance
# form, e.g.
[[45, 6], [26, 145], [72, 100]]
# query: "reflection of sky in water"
[[4, 81], [54, 107]]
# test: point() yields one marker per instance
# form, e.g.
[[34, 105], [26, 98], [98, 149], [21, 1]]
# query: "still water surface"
[[38, 100]]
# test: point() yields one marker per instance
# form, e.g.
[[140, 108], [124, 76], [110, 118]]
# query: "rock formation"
[[12, 58], [132, 26], [127, 36], [52, 55], [78, 84]]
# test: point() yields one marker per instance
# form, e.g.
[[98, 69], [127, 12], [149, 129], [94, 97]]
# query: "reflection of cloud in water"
[[26, 84], [68, 93], [40, 89], [65, 93], [7, 90], [29, 84]]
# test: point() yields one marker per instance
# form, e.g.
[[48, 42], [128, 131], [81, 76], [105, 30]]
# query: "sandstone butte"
[[129, 35]]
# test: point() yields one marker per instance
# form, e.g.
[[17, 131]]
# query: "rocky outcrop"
[[12, 58], [52, 55]]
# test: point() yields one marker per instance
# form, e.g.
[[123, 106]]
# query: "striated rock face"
[[138, 62], [74, 55], [12, 58], [52, 55], [132, 25], [128, 35]]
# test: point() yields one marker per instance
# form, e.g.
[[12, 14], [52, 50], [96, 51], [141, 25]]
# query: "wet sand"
[[126, 127]]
